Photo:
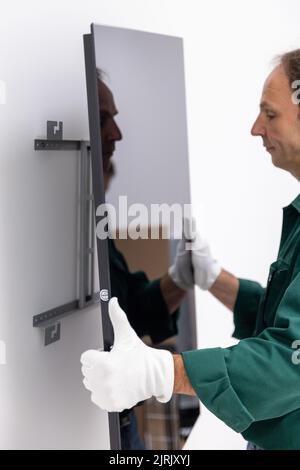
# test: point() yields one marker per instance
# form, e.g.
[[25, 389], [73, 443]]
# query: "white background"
[[236, 192]]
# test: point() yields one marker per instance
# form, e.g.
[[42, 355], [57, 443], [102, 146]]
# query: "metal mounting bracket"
[[50, 319], [54, 130]]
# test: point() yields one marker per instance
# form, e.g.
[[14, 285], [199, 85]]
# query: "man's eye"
[[270, 116]]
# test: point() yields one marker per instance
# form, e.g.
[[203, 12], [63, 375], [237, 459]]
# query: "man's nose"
[[115, 133], [258, 128]]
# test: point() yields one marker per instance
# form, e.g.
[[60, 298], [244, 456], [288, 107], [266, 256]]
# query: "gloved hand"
[[130, 372], [206, 267], [181, 271], [193, 262]]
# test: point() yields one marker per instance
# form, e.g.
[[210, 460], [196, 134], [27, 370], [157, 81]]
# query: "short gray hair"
[[291, 65]]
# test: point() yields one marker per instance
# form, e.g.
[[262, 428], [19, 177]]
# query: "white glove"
[[181, 271], [206, 268], [130, 372], [193, 263]]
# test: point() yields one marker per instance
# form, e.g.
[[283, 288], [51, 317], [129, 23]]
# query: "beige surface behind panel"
[[151, 256]]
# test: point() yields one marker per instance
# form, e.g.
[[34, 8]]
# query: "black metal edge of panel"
[[99, 198]]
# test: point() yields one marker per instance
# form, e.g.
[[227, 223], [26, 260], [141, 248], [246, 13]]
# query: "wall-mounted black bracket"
[[54, 130], [50, 319], [45, 144]]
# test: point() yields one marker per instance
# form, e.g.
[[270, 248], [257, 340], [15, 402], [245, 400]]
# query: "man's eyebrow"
[[264, 104]]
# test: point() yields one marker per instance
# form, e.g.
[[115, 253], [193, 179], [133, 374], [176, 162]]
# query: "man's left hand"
[[130, 372]]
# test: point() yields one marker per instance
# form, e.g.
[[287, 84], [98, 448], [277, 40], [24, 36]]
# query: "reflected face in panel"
[[110, 132]]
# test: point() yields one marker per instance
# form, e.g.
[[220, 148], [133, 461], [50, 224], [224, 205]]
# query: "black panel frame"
[[99, 198]]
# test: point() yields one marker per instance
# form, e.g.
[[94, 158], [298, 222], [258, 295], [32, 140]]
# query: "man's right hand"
[[210, 276], [206, 267], [194, 264]]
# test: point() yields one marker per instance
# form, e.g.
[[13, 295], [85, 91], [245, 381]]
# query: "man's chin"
[[279, 162]]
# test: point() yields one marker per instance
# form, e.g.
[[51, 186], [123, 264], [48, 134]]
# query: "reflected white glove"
[[130, 372], [206, 268], [181, 271], [194, 263]]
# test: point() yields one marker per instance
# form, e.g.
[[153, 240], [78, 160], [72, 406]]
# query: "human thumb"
[[124, 335]]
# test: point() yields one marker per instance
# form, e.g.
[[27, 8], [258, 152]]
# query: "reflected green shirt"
[[254, 386], [141, 299]]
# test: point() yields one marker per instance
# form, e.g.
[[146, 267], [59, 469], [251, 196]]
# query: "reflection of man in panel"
[[252, 386], [151, 307]]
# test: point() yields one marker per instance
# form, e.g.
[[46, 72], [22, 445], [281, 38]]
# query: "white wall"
[[228, 46], [236, 192], [43, 403]]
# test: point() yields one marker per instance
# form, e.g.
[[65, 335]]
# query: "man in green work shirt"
[[252, 386]]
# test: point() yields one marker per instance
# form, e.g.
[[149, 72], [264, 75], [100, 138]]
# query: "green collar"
[[296, 203]]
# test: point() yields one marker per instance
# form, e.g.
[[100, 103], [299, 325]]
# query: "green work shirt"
[[254, 386], [141, 299]]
